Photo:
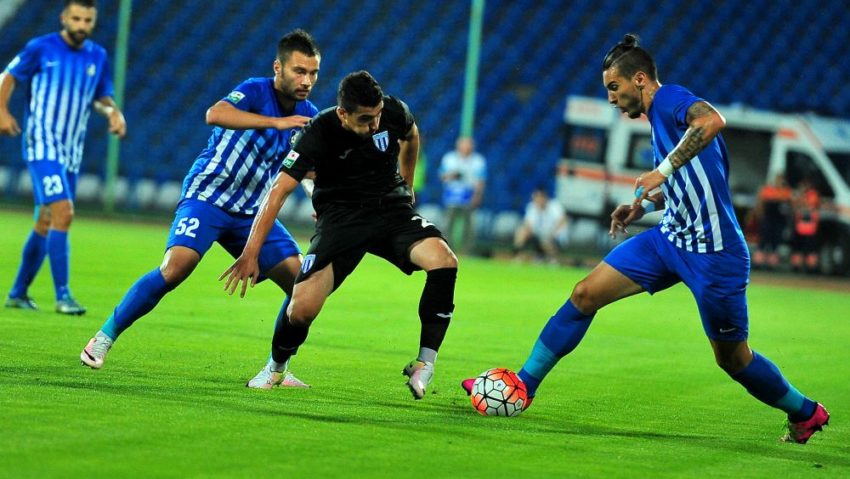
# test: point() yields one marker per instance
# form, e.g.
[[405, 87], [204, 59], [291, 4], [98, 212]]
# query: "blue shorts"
[[197, 224], [51, 182], [718, 280]]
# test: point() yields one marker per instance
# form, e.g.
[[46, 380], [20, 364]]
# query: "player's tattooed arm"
[[704, 123]]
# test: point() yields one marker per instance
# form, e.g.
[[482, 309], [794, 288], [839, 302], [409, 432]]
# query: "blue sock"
[[35, 249], [763, 381], [58, 253], [139, 300], [559, 337]]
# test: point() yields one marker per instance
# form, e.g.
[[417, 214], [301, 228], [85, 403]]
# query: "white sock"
[[427, 355], [278, 367]]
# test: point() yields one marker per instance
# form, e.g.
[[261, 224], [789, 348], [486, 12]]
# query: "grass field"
[[641, 396]]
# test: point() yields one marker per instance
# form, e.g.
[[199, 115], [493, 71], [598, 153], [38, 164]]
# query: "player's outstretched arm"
[[8, 124], [106, 106], [704, 123], [408, 155], [225, 115], [246, 268]]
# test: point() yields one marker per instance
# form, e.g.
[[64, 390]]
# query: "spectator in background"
[[463, 172], [806, 222], [773, 215], [544, 227]]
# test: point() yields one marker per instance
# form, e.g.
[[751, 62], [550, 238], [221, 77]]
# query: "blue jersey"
[[64, 81], [236, 167], [699, 216]]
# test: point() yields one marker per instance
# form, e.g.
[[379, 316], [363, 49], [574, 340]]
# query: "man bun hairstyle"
[[358, 89], [628, 58], [296, 41]]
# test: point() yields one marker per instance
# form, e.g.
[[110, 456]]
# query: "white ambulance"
[[604, 151]]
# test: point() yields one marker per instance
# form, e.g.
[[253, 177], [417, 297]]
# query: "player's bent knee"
[[174, 275], [582, 298], [301, 317], [731, 364], [449, 261], [178, 264]]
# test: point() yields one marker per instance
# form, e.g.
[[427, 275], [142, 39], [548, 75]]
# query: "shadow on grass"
[[444, 413]]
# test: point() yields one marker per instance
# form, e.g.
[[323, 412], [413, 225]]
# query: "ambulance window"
[[584, 144], [640, 153], [800, 166], [841, 162], [749, 157]]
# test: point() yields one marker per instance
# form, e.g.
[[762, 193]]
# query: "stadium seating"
[[186, 55]]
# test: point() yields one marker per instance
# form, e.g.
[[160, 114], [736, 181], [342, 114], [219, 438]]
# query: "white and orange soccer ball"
[[499, 392]]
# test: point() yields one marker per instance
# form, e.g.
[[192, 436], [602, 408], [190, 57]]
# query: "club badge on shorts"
[[381, 140], [308, 263]]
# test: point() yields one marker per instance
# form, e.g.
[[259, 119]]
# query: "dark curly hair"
[[358, 89]]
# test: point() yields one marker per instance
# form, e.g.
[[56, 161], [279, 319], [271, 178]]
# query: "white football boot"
[[420, 374], [95, 351], [267, 379]]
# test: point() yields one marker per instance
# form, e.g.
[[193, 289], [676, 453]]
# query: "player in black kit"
[[363, 153]]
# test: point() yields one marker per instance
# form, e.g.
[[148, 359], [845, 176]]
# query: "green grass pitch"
[[640, 397]]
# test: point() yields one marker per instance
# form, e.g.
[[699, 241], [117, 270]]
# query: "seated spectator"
[[544, 228], [773, 215]]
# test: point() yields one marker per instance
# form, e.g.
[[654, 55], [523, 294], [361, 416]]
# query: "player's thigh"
[[411, 242], [718, 282], [309, 295], [196, 225], [603, 286], [432, 253], [645, 259], [284, 273]]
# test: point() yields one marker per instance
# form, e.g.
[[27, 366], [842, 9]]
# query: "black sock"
[[436, 306], [287, 338]]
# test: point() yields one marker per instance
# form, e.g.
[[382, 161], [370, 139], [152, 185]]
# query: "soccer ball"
[[498, 392]]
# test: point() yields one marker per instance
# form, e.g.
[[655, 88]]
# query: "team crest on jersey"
[[309, 260], [290, 158], [381, 140], [295, 136], [91, 70], [235, 96]]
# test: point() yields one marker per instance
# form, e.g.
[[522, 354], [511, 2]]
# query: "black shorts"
[[345, 233]]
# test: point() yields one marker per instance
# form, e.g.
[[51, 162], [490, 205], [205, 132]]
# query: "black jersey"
[[349, 168]]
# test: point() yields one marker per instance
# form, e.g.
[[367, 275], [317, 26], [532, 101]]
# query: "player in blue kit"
[[698, 241], [68, 74], [254, 124]]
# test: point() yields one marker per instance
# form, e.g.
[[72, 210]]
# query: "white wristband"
[[108, 110], [666, 168], [648, 206]]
